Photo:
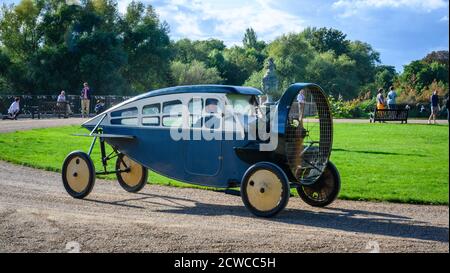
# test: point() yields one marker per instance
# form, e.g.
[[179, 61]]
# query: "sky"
[[401, 30]]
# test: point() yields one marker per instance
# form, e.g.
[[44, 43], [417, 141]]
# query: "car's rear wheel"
[[325, 190], [265, 189], [132, 176]]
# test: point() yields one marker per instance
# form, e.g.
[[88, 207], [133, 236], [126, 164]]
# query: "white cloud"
[[444, 19], [227, 20], [352, 7]]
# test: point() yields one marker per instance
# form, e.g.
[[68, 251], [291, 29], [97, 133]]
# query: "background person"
[[99, 107], [13, 110], [85, 100], [301, 104], [381, 103], [446, 106], [434, 103], [62, 102], [391, 98]]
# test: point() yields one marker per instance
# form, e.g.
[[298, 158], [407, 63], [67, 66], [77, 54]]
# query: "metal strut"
[[104, 157]]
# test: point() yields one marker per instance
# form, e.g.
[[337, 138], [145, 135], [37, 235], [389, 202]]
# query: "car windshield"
[[243, 104]]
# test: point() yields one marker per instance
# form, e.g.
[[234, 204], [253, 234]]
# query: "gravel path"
[[27, 124], [36, 214]]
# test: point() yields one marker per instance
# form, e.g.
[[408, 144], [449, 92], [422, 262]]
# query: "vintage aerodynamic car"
[[218, 136]]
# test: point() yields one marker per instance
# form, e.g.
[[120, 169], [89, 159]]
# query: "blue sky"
[[401, 30]]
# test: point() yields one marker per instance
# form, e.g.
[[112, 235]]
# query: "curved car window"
[[173, 107], [172, 121], [243, 104], [152, 109], [172, 111], [125, 117], [129, 112], [152, 121], [124, 121]]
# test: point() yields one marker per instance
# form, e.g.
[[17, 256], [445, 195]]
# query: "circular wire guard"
[[309, 135]]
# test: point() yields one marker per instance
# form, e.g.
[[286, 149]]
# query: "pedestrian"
[[62, 103], [13, 110], [99, 107], [446, 106], [85, 100], [301, 105], [391, 98], [381, 103], [434, 103]]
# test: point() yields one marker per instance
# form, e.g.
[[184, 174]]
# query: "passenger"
[[211, 110]]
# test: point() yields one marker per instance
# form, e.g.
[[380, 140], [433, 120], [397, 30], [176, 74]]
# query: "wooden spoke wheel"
[[325, 190], [78, 174], [265, 189], [134, 177]]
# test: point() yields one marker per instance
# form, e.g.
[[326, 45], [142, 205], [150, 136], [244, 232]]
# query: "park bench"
[[389, 115], [50, 108]]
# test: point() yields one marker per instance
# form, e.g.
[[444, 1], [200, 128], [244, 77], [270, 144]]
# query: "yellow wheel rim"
[[264, 190], [77, 174], [134, 176]]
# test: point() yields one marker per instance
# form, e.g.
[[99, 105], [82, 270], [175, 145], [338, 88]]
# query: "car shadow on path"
[[343, 219]]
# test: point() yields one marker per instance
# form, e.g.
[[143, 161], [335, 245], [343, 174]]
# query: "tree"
[[240, 64], [385, 76], [250, 39], [147, 45], [20, 37], [440, 56], [420, 74], [325, 39], [366, 60], [255, 80], [187, 51], [291, 54], [337, 75], [194, 73]]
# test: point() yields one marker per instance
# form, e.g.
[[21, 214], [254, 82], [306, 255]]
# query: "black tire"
[[78, 174], [133, 180], [271, 182], [325, 190]]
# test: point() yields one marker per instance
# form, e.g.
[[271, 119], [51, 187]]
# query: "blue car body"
[[217, 163]]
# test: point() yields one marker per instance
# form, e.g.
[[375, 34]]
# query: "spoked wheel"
[[325, 190], [265, 189], [135, 178], [78, 174]]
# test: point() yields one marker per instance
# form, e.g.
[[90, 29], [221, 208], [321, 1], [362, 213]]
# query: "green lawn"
[[383, 162]]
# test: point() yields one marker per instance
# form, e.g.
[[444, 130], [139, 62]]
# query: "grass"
[[377, 162]]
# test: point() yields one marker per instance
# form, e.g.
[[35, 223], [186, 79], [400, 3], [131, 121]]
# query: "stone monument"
[[270, 81]]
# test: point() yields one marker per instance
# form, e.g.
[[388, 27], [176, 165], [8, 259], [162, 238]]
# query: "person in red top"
[[85, 100]]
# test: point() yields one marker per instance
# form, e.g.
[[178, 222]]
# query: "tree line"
[[49, 45]]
